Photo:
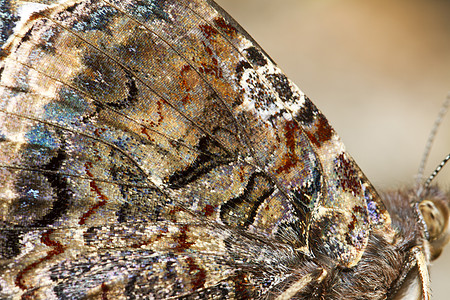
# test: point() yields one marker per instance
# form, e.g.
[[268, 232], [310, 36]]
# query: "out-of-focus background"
[[379, 70]]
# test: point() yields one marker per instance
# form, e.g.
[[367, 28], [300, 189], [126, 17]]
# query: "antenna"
[[436, 171], [430, 141]]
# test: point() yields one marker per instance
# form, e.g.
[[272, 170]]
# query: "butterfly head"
[[435, 211], [434, 208]]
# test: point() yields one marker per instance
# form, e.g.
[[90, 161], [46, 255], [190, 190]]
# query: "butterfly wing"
[[153, 148]]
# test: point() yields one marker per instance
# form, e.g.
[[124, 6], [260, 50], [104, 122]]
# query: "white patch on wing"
[[24, 12], [293, 105], [250, 103]]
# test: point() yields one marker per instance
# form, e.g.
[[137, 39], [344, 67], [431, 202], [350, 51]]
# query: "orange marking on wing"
[[227, 28], [57, 248], [197, 274], [322, 133], [290, 158], [98, 191]]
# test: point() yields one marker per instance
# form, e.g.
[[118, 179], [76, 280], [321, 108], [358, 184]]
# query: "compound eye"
[[433, 217]]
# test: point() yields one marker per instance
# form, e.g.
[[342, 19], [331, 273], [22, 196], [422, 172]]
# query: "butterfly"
[[152, 149]]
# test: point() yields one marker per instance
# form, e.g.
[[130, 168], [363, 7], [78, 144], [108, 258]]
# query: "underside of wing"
[[119, 118]]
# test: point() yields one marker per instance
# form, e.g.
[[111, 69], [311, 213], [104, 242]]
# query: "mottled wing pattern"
[[152, 149], [7, 21]]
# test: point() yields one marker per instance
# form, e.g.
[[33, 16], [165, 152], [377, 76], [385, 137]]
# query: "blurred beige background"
[[379, 70]]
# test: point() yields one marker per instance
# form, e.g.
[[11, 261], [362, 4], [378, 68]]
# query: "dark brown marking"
[[159, 112], [241, 173], [281, 84], [132, 96], [348, 177], [208, 210], [241, 285], [207, 49], [58, 184], [359, 209], [96, 206], [184, 78], [159, 109], [351, 225], [88, 165], [350, 237], [321, 131], [197, 274], [181, 240], [208, 30], [290, 158], [172, 213], [226, 27], [145, 132], [186, 99], [27, 36], [242, 66], [255, 56], [98, 191], [210, 70], [105, 290], [212, 155], [34, 16], [98, 131], [72, 8], [241, 211], [307, 112], [4, 52]]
